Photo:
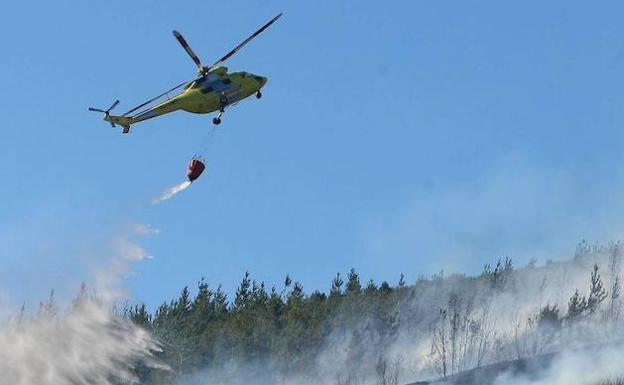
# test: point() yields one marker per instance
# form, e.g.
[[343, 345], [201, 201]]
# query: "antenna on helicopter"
[[107, 112]]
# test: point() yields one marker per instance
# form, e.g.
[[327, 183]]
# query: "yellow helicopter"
[[212, 90]]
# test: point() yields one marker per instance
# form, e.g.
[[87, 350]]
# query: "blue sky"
[[402, 137]]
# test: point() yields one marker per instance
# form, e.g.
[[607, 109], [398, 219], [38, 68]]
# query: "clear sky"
[[393, 137]]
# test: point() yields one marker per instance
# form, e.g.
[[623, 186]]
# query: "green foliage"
[[549, 319], [281, 330], [576, 306], [336, 287], [402, 281], [597, 293], [353, 283], [580, 305]]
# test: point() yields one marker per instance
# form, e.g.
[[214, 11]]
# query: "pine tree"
[[597, 293], [287, 281], [548, 319], [140, 316], [220, 302], [202, 310], [353, 283], [336, 287], [183, 305], [243, 293], [576, 306], [201, 303], [296, 294], [402, 281], [385, 288], [371, 288]]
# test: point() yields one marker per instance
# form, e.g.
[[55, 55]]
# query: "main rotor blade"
[[114, 105], [241, 45], [96, 110], [187, 48], [159, 96]]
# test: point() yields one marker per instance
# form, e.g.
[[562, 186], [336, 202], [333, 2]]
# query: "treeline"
[[365, 333], [280, 332]]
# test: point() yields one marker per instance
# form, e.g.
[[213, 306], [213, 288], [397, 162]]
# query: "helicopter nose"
[[261, 80]]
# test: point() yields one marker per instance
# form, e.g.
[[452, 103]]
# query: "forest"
[[384, 333]]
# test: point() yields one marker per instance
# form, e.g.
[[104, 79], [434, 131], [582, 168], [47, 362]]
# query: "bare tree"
[[614, 303], [439, 344], [532, 335], [485, 333], [460, 339], [348, 379], [389, 373], [614, 297]]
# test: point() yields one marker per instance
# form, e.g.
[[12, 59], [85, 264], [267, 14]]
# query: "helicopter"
[[213, 89]]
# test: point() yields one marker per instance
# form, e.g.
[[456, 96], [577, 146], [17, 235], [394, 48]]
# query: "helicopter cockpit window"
[[194, 83]]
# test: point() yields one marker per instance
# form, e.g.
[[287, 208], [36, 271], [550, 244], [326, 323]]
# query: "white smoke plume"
[[171, 192], [123, 253], [490, 323], [579, 367], [86, 341], [86, 345]]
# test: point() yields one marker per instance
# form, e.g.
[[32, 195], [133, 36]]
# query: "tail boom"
[[160, 109]]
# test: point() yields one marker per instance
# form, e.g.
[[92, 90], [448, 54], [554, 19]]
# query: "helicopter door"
[[231, 90]]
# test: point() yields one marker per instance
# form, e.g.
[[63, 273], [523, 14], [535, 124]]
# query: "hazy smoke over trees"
[[85, 344], [369, 333], [84, 341], [562, 319]]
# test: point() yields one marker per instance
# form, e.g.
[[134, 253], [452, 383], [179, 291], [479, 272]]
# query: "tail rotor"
[[106, 112]]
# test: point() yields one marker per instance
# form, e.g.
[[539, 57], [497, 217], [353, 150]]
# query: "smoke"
[[88, 344], [124, 251], [492, 323], [497, 326], [169, 193], [516, 208], [85, 341], [579, 367]]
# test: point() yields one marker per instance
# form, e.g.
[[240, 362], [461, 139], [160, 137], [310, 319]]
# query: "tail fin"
[[123, 121]]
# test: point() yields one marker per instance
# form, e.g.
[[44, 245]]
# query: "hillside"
[[361, 333]]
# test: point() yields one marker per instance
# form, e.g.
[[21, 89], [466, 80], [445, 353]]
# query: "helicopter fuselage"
[[210, 93], [216, 91]]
